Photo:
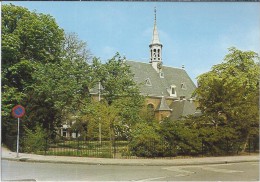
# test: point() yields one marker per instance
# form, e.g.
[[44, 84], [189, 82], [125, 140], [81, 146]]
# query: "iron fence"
[[126, 149]]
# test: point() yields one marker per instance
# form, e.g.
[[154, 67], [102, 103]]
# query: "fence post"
[[249, 145], [114, 146], [227, 148], [46, 146], [202, 151], [77, 146]]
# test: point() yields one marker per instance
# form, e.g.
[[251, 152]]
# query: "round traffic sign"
[[18, 111]]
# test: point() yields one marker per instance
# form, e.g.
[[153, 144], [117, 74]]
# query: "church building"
[[168, 89]]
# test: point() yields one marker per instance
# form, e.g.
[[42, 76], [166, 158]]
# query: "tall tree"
[[228, 94], [120, 90], [28, 39], [75, 49]]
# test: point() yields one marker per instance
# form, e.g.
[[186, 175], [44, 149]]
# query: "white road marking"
[[220, 170], [178, 169], [150, 179], [181, 172]]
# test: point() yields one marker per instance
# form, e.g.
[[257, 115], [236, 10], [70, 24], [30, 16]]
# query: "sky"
[[194, 34]]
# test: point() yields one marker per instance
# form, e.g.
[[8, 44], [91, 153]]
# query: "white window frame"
[[175, 93]]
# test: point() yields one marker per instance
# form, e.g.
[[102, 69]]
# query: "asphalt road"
[[26, 171]]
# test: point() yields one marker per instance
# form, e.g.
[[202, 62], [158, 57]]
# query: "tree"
[[28, 39], [120, 91], [228, 94], [75, 49], [61, 88], [42, 69], [117, 80]]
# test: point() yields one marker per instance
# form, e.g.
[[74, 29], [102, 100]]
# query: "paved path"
[[8, 155]]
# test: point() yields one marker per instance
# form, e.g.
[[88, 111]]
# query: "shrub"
[[146, 142], [34, 140]]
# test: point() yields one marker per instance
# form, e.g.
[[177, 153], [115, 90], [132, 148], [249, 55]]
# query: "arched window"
[[150, 109], [158, 54], [154, 54]]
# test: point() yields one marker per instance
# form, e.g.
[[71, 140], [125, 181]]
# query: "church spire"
[[155, 38], [155, 48]]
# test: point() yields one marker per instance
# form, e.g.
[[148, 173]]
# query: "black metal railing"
[[128, 149]]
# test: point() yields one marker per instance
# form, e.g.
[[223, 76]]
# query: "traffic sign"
[[18, 111]]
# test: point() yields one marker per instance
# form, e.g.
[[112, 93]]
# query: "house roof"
[[161, 85], [182, 108]]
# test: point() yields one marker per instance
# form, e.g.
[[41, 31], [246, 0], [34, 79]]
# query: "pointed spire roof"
[[163, 105], [155, 38]]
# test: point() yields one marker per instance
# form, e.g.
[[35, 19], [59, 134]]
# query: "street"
[[27, 171]]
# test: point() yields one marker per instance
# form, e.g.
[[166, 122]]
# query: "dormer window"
[[183, 86], [148, 82], [173, 91]]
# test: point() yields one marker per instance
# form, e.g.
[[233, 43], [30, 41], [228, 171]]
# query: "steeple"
[[155, 38], [156, 48]]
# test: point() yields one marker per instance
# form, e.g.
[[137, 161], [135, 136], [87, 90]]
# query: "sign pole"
[[18, 111], [18, 129]]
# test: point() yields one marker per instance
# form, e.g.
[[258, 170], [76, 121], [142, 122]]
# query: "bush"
[[146, 142], [34, 140]]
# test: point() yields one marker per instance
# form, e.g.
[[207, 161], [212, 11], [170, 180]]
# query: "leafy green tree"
[[117, 80], [182, 135], [43, 69], [75, 49], [120, 91], [28, 39], [228, 94], [29, 35], [61, 88]]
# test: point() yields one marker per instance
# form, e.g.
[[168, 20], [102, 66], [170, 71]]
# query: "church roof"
[[182, 108], [163, 106], [160, 85]]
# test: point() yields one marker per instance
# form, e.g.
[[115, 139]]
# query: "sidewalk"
[[8, 155]]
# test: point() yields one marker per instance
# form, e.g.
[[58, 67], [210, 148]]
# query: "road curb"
[[128, 163]]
